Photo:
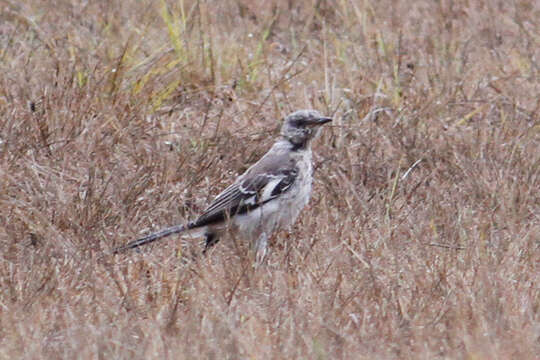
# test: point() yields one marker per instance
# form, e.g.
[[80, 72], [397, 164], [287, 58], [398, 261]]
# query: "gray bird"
[[267, 197]]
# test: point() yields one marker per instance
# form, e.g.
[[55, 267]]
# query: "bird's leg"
[[261, 246], [211, 240]]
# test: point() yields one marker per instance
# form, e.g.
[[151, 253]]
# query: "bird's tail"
[[152, 237]]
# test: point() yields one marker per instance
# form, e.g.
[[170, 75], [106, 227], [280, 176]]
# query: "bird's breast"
[[300, 193]]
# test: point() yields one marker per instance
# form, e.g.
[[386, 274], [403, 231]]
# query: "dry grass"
[[422, 237]]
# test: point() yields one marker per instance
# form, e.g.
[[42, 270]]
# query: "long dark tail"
[[152, 237]]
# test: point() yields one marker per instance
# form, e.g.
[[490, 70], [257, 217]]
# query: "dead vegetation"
[[421, 240]]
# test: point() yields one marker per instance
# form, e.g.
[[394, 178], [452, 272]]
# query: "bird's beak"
[[323, 120]]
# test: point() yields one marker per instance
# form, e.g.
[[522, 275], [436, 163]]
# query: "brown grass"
[[421, 240]]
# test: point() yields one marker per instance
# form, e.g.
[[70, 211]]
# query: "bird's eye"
[[298, 123]]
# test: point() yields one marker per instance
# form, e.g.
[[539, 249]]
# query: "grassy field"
[[422, 237]]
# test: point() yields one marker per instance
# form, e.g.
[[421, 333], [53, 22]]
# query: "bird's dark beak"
[[323, 120]]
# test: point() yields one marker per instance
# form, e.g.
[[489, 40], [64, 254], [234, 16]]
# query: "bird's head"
[[302, 126]]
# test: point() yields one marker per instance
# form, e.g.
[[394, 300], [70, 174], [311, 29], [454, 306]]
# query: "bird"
[[267, 197]]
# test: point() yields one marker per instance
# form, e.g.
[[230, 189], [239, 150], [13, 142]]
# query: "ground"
[[422, 237]]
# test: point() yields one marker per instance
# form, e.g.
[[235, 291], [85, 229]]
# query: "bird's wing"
[[251, 191]]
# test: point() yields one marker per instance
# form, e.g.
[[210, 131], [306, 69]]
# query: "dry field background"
[[421, 240]]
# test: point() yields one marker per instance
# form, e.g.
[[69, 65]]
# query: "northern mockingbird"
[[267, 197]]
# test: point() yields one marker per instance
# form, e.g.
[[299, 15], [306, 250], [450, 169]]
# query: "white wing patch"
[[271, 190], [252, 200]]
